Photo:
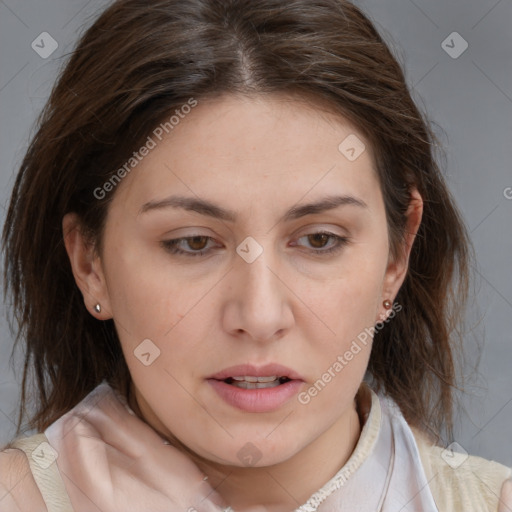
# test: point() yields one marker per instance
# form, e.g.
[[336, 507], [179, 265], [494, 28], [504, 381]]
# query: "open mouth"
[[270, 389], [247, 382]]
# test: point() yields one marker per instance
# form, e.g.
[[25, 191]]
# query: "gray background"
[[469, 99]]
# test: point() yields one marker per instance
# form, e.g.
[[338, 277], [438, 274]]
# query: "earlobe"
[[86, 267]]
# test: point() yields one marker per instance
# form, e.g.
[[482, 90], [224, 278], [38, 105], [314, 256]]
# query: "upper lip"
[[266, 370]]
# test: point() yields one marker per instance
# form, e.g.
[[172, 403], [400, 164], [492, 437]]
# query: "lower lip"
[[256, 400]]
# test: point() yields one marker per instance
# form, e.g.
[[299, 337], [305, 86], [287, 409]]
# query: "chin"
[[258, 453]]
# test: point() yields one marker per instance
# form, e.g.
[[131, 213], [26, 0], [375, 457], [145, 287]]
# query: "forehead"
[[273, 148]]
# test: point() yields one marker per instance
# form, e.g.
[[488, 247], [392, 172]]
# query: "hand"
[[111, 461]]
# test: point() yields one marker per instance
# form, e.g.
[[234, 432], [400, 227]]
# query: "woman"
[[233, 260]]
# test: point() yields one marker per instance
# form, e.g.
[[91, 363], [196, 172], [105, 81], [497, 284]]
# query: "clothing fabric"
[[46, 474], [78, 464]]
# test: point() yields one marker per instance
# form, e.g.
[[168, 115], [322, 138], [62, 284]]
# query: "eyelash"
[[171, 245]]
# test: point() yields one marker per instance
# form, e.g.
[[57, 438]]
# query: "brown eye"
[[197, 243], [188, 246], [319, 240]]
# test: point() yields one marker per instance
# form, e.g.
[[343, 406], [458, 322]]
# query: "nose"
[[258, 304]]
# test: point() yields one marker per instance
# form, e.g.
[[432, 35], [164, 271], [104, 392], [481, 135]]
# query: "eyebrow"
[[210, 209]]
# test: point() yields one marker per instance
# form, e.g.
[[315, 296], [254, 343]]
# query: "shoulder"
[[18, 489], [461, 482]]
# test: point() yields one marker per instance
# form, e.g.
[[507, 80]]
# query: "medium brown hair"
[[142, 60]]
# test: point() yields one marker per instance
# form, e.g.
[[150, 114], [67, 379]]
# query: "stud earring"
[[387, 304], [97, 308]]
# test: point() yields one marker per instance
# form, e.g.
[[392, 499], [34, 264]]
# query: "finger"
[[505, 504]]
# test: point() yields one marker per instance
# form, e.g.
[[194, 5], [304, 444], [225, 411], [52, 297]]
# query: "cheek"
[[350, 299], [146, 297], [348, 307], [161, 316]]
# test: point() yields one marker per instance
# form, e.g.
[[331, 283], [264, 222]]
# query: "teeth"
[[251, 382], [249, 378]]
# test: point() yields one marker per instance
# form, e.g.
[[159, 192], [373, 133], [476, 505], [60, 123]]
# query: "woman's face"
[[235, 272]]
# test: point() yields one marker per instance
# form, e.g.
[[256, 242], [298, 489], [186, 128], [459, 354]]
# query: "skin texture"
[[258, 157]]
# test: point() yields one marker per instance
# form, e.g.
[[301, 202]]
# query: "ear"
[[397, 267], [86, 266]]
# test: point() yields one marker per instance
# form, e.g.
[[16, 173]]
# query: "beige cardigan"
[[474, 485]]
